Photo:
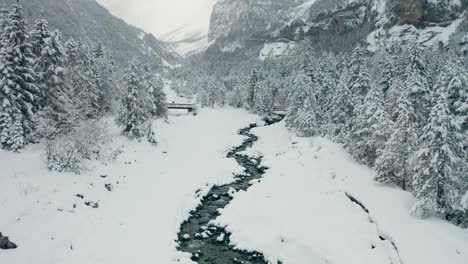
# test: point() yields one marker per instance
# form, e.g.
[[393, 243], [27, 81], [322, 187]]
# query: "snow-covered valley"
[[243, 132], [153, 192], [298, 213]]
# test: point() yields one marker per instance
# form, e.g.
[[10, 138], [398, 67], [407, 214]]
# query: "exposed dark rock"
[[5, 243], [407, 11], [109, 187]]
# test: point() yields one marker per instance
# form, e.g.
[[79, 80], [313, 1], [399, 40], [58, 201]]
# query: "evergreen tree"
[[327, 80], [457, 88], [156, 96], [341, 109], [59, 115], [235, 98], [394, 165], [132, 116], [49, 62], [3, 20], [98, 51], [416, 83], [359, 81], [371, 128], [252, 87], [264, 97], [104, 80], [440, 168], [83, 79], [302, 106], [39, 36], [19, 95], [306, 120]]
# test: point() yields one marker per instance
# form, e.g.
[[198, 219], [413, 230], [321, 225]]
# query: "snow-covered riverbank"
[[311, 208], [137, 222]]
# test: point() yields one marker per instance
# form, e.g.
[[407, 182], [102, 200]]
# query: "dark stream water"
[[209, 244]]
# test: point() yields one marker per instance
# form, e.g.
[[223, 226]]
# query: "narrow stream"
[[210, 244]]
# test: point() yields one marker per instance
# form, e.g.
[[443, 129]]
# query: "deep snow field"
[[137, 222], [301, 213], [298, 214]]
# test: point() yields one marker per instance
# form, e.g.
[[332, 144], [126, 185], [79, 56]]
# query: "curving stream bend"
[[209, 244]]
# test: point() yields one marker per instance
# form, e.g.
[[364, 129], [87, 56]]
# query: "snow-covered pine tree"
[[82, 78], [440, 167], [371, 128], [18, 93], [132, 115], [235, 98], [394, 164], [39, 36], [302, 106], [59, 115], [389, 71], [3, 20], [212, 93], [253, 86], [297, 83], [359, 78], [104, 79], [49, 62], [457, 90], [72, 51], [341, 108], [327, 79], [264, 97], [306, 120], [416, 83], [98, 51], [156, 95]]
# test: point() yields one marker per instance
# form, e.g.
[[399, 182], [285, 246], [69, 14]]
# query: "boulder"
[[408, 11], [5, 243]]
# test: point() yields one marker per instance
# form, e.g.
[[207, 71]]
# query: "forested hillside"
[[57, 90], [88, 21], [387, 79]]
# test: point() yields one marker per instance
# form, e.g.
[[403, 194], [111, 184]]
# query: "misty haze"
[[233, 131]]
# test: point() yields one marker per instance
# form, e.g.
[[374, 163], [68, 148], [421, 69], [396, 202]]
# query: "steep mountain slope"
[[89, 20], [241, 25], [186, 40]]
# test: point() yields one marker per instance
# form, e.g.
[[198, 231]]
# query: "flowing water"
[[209, 244]]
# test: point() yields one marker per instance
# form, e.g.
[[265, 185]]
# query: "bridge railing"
[[190, 107], [279, 108]]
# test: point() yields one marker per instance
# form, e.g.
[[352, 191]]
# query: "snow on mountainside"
[[88, 20], [186, 40], [330, 24], [275, 49]]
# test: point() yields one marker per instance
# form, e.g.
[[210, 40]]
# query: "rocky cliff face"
[[424, 12], [275, 19], [246, 27]]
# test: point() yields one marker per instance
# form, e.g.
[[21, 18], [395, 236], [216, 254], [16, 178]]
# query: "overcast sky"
[[162, 16]]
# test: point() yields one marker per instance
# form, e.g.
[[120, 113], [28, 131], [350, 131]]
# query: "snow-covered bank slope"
[[154, 190], [300, 212]]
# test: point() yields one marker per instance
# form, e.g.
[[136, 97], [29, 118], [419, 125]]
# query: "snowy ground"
[[275, 50], [137, 222], [299, 213]]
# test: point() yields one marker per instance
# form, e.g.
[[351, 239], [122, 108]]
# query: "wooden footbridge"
[[279, 108], [191, 108]]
